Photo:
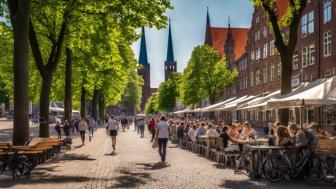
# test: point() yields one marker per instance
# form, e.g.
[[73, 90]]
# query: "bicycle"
[[277, 166], [18, 165], [321, 170]]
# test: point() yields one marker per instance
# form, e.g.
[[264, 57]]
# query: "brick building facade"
[[259, 62]]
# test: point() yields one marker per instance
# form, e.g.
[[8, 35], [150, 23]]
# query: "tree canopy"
[[168, 93], [206, 76]]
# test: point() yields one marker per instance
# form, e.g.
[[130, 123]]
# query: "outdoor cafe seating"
[[37, 151], [258, 149]]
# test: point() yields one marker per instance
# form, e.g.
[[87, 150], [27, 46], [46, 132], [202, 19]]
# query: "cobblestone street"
[[135, 166]]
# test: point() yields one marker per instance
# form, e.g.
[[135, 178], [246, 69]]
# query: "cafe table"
[[258, 154]]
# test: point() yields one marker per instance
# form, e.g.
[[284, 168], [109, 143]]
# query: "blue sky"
[[188, 30]]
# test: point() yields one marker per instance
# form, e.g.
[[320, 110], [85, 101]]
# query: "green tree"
[[169, 92], [206, 76], [20, 11], [152, 104], [133, 91], [288, 25], [52, 22]]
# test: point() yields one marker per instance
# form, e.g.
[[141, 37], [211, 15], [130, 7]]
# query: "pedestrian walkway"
[[135, 166]]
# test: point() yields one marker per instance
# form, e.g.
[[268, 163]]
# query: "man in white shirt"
[[162, 134], [211, 132], [192, 133]]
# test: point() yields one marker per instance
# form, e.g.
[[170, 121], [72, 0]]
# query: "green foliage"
[[133, 90], [206, 76], [169, 92], [152, 104]]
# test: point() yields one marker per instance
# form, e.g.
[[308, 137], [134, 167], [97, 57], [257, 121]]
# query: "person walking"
[[112, 126], [58, 129], [141, 126], [66, 128], [92, 124], [162, 134], [82, 126], [152, 127]]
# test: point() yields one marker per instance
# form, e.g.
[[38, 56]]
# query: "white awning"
[[233, 104], [316, 93], [214, 106], [258, 102], [183, 111], [56, 109]]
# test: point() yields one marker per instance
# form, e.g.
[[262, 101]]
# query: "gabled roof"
[[219, 36]]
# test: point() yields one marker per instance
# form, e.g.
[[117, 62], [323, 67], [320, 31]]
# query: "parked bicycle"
[[18, 165], [277, 166], [323, 167]]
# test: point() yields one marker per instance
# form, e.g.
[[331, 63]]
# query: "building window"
[[272, 48], [272, 72], [327, 43], [258, 77], [326, 11], [307, 24], [265, 74], [252, 79], [252, 55], [265, 31], [308, 56], [257, 56], [257, 36], [265, 51], [257, 19], [296, 60]]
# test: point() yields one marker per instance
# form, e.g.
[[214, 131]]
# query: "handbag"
[[155, 143]]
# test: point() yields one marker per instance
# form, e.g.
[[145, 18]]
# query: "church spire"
[[170, 52], [208, 37], [143, 60]]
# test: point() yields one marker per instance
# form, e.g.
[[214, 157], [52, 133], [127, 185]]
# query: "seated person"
[[283, 137], [228, 146], [298, 134], [192, 133], [272, 136], [200, 131], [247, 132], [211, 132]]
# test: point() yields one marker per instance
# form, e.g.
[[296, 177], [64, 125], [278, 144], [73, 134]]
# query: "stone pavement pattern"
[[135, 166]]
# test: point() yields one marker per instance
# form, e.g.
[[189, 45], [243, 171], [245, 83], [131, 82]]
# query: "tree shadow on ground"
[[62, 158], [262, 184], [153, 166], [111, 154], [129, 179], [44, 177]]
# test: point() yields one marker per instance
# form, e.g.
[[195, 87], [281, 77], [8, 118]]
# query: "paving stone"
[[135, 166]]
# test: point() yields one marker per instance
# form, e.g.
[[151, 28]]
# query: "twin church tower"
[[144, 71]]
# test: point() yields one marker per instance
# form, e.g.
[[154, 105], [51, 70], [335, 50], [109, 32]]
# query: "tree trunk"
[[44, 105], [212, 114], [68, 86], [20, 14], [101, 106], [95, 103], [83, 101], [286, 83]]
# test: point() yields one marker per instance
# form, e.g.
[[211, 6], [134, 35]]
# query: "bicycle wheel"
[[274, 168], [21, 169]]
